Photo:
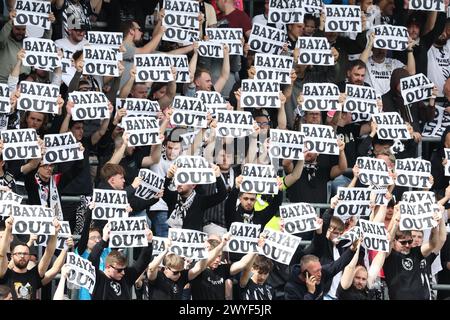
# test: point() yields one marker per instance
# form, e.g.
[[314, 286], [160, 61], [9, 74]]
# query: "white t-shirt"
[[439, 66], [68, 48], [161, 168], [379, 74]]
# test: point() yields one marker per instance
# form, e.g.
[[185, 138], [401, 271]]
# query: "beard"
[[440, 42], [21, 264]]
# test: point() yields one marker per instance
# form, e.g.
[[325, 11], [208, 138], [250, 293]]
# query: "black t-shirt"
[[110, 289], [352, 293], [349, 134], [132, 164], [254, 291], [210, 284], [312, 185], [162, 288], [403, 276], [23, 285]]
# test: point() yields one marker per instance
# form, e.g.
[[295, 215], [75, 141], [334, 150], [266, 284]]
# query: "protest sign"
[[189, 244], [320, 139], [153, 67], [212, 100], [234, 124], [390, 37], [419, 196], [128, 232], [343, 18], [33, 220], [32, 13], [142, 131], [109, 204], [261, 179], [428, 5], [260, 94], [181, 64], [375, 236], [182, 6], [373, 171], [414, 173], [5, 105], [61, 148], [244, 238], [20, 144], [417, 216], [266, 39], [273, 67], [350, 235], [89, 105], [63, 235], [437, 126], [100, 61], [312, 6], [230, 36], [107, 39], [41, 54], [180, 35], [138, 107], [193, 170], [285, 12], [321, 97], [390, 126], [360, 99], [189, 111], [159, 245], [314, 51], [359, 117], [447, 165], [298, 217], [286, 144], [279, 246], [180, 19], [38, 97], [210, 49], [151, 184], [81, 272], [8, 199], [416, 88], [353, 202]]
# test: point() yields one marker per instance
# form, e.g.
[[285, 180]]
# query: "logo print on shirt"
[[116, 288], [407, 264]]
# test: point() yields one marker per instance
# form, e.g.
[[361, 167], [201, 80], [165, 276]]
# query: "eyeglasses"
[[405, 242], [138, 28], [95, 238], [119, 270], [265, 123], [175, 273], [21, 254]]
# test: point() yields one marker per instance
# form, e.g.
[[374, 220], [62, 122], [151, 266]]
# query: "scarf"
[[181, 208], [247, 217], [50, 189]]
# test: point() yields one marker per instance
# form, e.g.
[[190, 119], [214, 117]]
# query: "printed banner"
[[41, 54], [416, 88], [279, 246], [321, 97], [193, 170], [89, 105], [189, 244], [38, 97], [188, 111], [230, 36], [244, 238], [151, 184], [266, 39], [260, 179], [61, 148], [343, 18], [128, 232], [20, 144], [234, 124], [142, 131], [109, 204], [33, 13], [390, 126], [273, 67], [286, 144], [153, 68], [82, 272], [298, 217], [373, 172], [320, 139], [390, 37], [260, 94], [314, 51], [375, 236], [414, 173]]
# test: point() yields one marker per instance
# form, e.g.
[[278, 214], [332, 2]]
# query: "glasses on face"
[[119, 270], [95, 238], [137, 28], [405, 242], [175, 273], [21, 254]]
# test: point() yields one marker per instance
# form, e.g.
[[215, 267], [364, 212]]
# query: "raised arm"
[[281, 115], [57, 265], [126, 88], [59, 293], [296, 173], [242, 264], [120, 151], [4, 244], [411, 62], [95, 138], [366, 52], [375, 267], [153, 267], [349, 270], [49, 251], [342, 165], [225, 72]]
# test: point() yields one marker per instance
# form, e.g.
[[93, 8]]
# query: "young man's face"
[[216, 262], [185, 189], [45, 171], [173, 150], [136, 32], [94, 238], [116, 271], [76, 35], [35, 120], [295, 30], [313, 117], [403, 245], [309, 28], [21, 256], [139, 91], [414, 31], [78, 130], [117, 182], [356, 75], [248, 201], [360, 279], [173, 273], [259, 277], [417, 237], [18, 33], [333, 232], [160, 93]]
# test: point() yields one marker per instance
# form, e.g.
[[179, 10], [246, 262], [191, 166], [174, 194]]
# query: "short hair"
[[110, 170], [307, 259], [338, 223], [263, 264], [115, 257], [4, 291], [175, 135], [356, 63], [387, 154], [309, 16], [402, 234], [74, 122], [95, 229], [23, 121], [199, 71], [126, 26], [23, 244], [213, 243], [173, 260]]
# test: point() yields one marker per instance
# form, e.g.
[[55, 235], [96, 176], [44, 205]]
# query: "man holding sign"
[[23, 282]]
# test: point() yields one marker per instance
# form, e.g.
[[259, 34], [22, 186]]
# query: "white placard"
[[142, 131], [286, 144], [210, 49], [82, 272], [33, 13], [314, 51], [417, 216], [360, 99], [33, 220], [230, 36], [189, 111], [20, 144], [273, 67], [260, 94], [128, 232], [353, 202], [138, 107], [8, 199], [343, 18], [320, 139], [41, 54], [279, 246], [153, 68], [375, 236], [100, 61], [212, 100], [428, 5], [266, 39], [38, 97], [298, 217], [260, 179], [234, 124], [285, 12], [437, 126], [180, 19], [109, 204], [416, 88], [61, 148], [447, 166], [5, 105], [151, 184], [414, 173], [89, 105], [189, 244], [180, 35], [390, 37], [193, 170], [390, 126], [244, 238], [321, 97], [373, 172]]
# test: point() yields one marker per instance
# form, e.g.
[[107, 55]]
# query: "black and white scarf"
[[181, 208], [49, 189]]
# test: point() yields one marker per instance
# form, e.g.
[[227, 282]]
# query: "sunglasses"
[[119, 270], [404, 242], [175, 273]]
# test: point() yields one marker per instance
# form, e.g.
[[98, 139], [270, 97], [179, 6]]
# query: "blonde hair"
[[115, 257], [173, 261]]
